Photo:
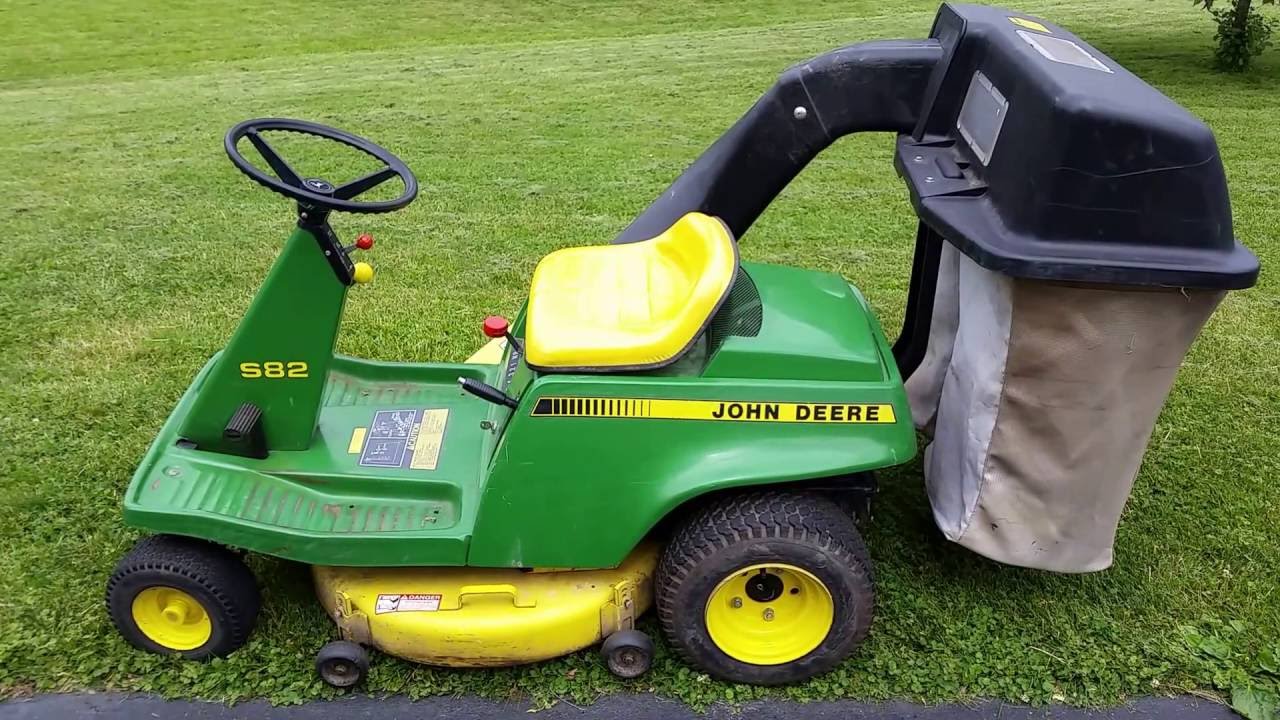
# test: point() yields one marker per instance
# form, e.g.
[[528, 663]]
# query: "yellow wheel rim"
[[769, 614], [171, 618]]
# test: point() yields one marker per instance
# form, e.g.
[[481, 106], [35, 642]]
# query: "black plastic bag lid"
[[1040, 157]]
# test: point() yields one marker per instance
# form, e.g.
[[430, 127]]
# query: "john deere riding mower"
[[664, 424]]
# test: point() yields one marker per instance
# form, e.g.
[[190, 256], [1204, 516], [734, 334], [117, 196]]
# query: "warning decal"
[[426, 450], [407, 602], [714, 410], [404, 439]]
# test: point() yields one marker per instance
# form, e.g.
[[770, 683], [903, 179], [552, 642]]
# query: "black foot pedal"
[[243, 434]]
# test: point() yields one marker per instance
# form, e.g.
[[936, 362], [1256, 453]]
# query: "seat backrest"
[[701, 249]]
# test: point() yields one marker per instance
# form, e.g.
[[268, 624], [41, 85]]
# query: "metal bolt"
[[800, 113], [918, 158], [768, 614], [736, 602], [928, 178], [172, 471]]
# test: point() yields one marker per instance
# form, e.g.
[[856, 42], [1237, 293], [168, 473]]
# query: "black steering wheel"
[[316, 193]]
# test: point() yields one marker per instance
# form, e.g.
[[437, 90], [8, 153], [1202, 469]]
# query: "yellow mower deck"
[[478, 617]]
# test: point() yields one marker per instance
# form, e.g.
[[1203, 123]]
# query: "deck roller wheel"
[[342, 664], [628, 653]]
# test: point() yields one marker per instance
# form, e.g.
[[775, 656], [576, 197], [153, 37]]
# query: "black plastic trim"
[[909, 349]]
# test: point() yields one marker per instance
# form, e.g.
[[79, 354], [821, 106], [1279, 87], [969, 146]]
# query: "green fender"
[[583, 491]]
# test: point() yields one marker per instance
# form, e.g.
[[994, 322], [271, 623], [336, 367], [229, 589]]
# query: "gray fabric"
[[924, 387], [955, 462], [1041, 417]]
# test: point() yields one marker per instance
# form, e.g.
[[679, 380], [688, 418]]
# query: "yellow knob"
[[362, 273]]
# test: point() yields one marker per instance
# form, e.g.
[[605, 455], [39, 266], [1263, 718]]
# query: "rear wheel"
[[178, 595], [766, 588]]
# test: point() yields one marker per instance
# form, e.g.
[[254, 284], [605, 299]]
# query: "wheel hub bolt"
[[768, 614], [736, 602]]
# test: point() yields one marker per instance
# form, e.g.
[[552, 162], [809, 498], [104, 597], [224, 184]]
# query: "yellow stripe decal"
[[716, 410], [1029, 24]]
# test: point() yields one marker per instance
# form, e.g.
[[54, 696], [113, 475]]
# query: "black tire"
[[803, 530], [342, 664], [628, 653], [211, 574]]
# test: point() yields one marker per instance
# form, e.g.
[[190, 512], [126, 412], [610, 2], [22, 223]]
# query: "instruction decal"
[[407, 602], [715, 410], [513, 362], [404, 439]]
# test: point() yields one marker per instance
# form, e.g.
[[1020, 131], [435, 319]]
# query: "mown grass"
[[132, 246]]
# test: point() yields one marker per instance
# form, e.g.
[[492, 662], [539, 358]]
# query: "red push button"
[[496, 326]]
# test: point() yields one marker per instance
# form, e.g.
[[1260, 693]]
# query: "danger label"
[[408, 602], [715, 410]]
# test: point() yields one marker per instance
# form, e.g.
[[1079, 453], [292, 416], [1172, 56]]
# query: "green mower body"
[[385, 464]]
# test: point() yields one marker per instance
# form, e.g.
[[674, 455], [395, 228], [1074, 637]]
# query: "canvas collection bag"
[[1040, 398]]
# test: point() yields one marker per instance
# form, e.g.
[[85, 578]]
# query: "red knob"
[[365, 241], [496, 326]]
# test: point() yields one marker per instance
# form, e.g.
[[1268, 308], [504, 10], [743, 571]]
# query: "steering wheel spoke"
[[277, 163], [364, 184]]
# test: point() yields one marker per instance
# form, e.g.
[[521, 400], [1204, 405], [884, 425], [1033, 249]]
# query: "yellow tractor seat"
[[633, 306]]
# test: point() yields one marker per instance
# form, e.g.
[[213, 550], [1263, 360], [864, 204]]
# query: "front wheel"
[[178, 595], [766, 588]]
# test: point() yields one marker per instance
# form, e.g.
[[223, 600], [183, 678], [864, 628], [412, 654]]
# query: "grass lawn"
[[132, 247]]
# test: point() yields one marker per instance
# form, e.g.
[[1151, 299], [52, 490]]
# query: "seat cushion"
[[633, 306]]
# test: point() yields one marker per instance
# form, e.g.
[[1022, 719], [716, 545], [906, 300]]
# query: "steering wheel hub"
[[324, 187]]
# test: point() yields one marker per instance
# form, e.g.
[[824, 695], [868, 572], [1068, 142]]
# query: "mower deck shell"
[[485, 617]]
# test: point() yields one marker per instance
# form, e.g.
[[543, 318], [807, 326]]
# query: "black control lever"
[[485, 391]]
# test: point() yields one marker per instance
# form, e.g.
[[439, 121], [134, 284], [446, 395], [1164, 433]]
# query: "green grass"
[[131, 246]]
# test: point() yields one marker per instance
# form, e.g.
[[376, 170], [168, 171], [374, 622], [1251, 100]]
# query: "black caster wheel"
[[342, 664], [628, 653]]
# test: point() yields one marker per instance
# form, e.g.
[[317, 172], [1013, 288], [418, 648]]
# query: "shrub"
[[1243, 32]]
